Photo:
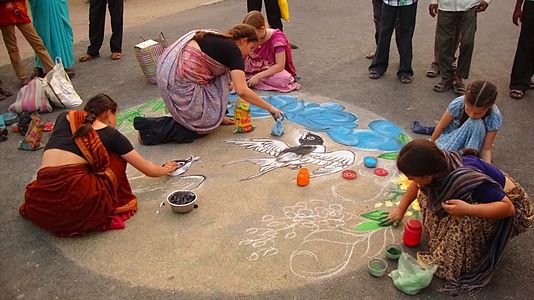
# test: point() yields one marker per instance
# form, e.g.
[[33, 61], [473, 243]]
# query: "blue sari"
[[52, 23]]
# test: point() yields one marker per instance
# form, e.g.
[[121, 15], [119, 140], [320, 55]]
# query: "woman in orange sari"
[[82, 184]]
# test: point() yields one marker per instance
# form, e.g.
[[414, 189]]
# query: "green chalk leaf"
[[403, 138], [376, 215], [389, 155], [368, 226]]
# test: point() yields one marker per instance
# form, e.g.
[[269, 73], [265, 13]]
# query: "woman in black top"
[[195, 76], [82, 183]]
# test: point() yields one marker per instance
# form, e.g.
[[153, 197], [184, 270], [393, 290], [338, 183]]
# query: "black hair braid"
[[85, 128]]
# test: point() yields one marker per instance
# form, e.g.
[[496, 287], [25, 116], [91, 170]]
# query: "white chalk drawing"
[[309, 151], [318, 223]]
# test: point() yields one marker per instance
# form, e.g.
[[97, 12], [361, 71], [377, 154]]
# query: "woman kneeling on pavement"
[[470, 209], [195, 75], [82, 184]]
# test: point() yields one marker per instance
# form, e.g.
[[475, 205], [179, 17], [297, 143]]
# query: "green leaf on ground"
[[403, 138], [389, 155], [375, 215], [368, 226]]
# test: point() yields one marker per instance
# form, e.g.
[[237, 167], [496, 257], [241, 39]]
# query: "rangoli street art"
[[309, 151], [319, 237]]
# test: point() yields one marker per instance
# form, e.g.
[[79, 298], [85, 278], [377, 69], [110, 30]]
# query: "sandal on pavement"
[[517, 94], [434, 70], [370, 55], [443, 86], [87, 57], [374, 75], [406, 78], [116, 55], [420, 129], [458, 88]]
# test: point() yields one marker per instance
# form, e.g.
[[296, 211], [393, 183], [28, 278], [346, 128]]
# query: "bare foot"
[[227, 121], [116, 55], [87, 57]]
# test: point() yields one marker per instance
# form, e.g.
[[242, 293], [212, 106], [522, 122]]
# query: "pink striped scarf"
[[193, 85]]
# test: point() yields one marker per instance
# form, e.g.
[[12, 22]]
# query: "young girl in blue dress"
[[470, 121]]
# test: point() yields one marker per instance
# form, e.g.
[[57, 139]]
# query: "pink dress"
[[263, 57]]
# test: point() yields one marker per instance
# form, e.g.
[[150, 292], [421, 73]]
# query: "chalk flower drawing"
[[321, 222], [398, 188]]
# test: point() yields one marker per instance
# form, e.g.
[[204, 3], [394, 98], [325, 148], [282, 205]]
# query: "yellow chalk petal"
[[379, 204]]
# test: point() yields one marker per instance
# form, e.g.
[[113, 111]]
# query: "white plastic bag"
[[62, 93], [411, 277]]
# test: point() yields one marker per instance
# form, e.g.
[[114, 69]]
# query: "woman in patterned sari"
[[195, 75], [470, 210], [82, 184]]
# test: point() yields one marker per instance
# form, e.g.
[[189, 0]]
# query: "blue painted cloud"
[[332, 118]]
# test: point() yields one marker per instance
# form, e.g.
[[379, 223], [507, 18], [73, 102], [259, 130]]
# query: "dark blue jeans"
[[523, 68], [406, 16]]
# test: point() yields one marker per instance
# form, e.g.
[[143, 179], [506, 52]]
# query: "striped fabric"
[[32, 97], [194, 86], [148, 59], [459, 183]]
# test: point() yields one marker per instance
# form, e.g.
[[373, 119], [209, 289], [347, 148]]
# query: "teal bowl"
[[9, 117]]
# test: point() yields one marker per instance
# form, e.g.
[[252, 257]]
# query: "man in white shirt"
[[405, 11], [455, 15]]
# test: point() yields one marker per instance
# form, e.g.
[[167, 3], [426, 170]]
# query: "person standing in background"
[[523, 68], [52, 23], [377, 15], [272, 11], [15, 13], [97, 22], [461, 16], [405, 11]]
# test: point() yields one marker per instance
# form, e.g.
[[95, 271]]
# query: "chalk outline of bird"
[[284, 156]]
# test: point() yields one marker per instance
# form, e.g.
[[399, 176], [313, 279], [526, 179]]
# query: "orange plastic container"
[[303, 177]]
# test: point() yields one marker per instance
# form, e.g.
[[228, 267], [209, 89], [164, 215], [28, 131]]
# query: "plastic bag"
[[278, 128], [32, 97], [147, 54], [284, 9], [62, 93], [242, 120], [411, 277], [32, 139]]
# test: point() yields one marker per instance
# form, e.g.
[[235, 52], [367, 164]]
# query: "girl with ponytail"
[[82, 183], [470, 121]]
